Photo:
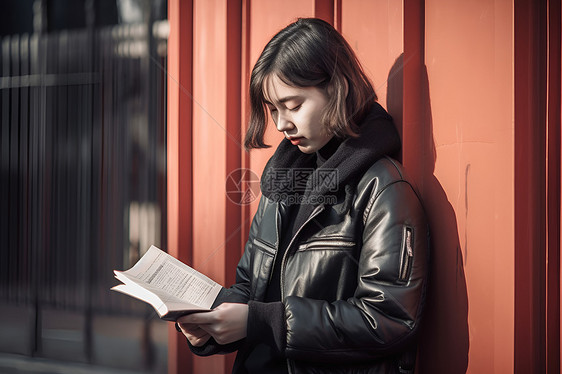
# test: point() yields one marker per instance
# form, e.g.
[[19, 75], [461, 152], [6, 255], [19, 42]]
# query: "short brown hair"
[[310, 52]]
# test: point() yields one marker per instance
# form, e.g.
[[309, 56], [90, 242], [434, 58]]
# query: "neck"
[[327, 151]]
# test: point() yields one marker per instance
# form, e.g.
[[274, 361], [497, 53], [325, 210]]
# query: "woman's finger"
[[194, 334], [192, 330], [198, 340]]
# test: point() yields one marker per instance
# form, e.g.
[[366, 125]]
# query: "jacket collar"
[[289, 172]]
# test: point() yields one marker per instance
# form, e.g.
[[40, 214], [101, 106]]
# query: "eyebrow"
[[285, 99]]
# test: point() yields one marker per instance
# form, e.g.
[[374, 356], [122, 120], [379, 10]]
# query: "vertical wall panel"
[[209, 148], [209, 135], [216, 145], [553, 189], [245, 66], [529, 176], [234, 148], [374, 29], [179, 158], [468, 53]]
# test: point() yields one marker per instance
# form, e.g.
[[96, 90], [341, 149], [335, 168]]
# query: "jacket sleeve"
[[237, 293], [384, 313]]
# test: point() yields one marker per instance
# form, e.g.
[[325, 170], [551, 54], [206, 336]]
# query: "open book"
[[169, 285]]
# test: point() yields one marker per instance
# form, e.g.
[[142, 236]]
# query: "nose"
[[284, 123]]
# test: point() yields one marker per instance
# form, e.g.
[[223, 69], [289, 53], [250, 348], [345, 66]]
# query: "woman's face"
[[297, 113]]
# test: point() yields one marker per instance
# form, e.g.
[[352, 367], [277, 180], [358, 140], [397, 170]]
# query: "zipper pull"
[[409, 243]]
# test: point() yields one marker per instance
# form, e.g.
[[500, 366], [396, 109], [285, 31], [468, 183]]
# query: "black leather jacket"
[[353, 277], [352, 282]]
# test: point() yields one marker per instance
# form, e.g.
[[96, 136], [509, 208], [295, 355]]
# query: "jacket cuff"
[[212, 347], [266, 324]]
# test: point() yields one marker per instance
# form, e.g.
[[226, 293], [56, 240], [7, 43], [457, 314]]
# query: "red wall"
[[469, 60], [474, 88]]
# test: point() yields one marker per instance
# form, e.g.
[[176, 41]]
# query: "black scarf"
[[291, 176]]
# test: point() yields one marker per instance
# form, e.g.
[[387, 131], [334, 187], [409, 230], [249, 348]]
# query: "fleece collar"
[[290, 173]]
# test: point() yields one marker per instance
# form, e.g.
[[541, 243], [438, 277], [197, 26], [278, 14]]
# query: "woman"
[[333, 275]]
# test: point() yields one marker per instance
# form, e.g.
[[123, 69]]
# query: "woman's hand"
[[196, 335], [226, 323]]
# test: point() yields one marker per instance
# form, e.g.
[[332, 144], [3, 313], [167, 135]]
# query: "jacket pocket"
[[327, 244], [261, 269], [407, 254], [266, 247]]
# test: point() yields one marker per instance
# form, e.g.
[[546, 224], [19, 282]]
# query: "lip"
[[295, 140]]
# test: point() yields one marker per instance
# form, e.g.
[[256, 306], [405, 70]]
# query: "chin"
[[307, 150]]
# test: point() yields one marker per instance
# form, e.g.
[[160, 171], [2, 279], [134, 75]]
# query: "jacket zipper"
[[277, 222], [326, 243], [407, 253], [316, 211]]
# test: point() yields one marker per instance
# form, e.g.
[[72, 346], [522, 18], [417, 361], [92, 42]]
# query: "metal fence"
[[82, 163]]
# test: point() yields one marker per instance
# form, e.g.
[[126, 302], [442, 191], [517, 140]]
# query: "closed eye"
[[296, 108]]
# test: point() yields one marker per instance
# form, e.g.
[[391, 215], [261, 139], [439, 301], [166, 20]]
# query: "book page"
[[162, 273]]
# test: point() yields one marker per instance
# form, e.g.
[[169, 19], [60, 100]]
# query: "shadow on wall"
[[443, 338]]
